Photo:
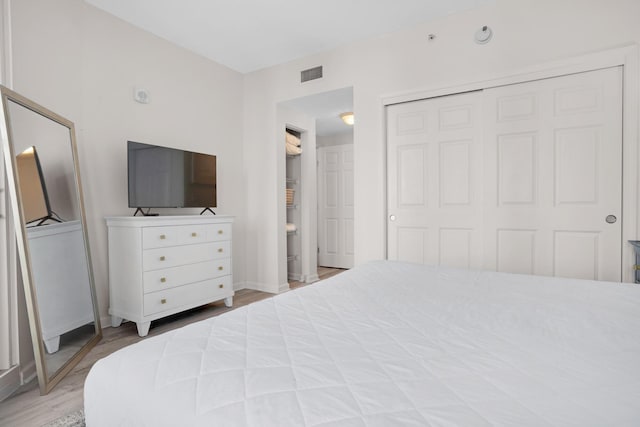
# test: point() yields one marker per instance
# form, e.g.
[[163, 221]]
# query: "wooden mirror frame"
[[46, 381]]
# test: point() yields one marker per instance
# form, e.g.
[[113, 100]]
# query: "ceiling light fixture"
[[347, 118]]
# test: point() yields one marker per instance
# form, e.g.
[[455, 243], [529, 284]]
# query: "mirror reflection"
[[54, 239]]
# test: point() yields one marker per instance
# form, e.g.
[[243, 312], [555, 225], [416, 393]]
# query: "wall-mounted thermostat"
[[141, 95]]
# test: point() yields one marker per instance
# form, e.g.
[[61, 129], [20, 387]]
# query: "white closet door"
[[434, 172], [525, 178], [335, 206], [553, 175]]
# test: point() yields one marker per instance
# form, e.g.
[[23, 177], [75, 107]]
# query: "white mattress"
[[390, 344]]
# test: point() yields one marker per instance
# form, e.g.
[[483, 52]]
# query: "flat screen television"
[[162, 177], [33, 190]]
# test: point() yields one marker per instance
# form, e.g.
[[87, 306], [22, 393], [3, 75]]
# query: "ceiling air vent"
[[311, 74]]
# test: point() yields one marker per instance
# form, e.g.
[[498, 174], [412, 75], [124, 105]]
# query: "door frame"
[[11, 378], [627, 57]]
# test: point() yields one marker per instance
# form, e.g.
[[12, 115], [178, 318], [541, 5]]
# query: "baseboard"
[[28, 372], [9, 382], [105, 321], [238, 286], [261, 287], [295, 277], [284, 287], [310, 278]]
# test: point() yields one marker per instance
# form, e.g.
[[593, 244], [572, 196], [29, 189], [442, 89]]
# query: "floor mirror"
[[41, 161]]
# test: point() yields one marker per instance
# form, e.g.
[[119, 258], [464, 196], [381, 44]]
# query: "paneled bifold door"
[[524, 178]]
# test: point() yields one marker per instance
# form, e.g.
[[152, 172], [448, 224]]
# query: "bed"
[[390, 344]]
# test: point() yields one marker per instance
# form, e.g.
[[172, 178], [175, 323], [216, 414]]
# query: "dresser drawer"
[[160, 237], [221, 249], [194, 294], [167, 278], [219, 232], [154, 259]]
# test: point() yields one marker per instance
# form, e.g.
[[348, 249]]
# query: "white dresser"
[[163, 265], [61, 277]]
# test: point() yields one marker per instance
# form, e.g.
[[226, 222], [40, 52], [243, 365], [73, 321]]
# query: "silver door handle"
[[392, 217], [611, 219]]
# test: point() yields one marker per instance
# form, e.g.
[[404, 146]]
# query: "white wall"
[[526, 33], [83, 64]]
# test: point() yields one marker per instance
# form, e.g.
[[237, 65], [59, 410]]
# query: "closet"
[[293, 199], [522, 178]]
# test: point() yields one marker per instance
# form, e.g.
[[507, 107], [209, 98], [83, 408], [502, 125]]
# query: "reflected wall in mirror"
[[42, 165]]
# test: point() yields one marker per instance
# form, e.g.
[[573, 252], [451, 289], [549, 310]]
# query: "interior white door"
[[553, 176], [524, 178], [335, 206], [434, 181]]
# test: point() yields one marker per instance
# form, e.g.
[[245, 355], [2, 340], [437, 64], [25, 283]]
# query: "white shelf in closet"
[[294, 216]]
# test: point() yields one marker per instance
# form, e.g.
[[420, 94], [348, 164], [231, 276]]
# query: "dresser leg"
[[228, 301], [143, 328], [116, 321], [52, 345]]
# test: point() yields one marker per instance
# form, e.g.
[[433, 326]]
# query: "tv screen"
[[161, 177], [35, 201]]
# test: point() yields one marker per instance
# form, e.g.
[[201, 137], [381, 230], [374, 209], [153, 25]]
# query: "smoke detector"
[[483, 35]]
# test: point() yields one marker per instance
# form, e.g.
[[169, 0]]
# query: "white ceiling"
[[247, 35]]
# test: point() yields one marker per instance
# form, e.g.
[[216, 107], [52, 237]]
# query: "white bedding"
[[389, 344]]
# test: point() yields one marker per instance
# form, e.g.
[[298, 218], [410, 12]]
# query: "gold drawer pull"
[[163, 279], [163, 301], [162, 258], [221, 268], [162, 237], [220, 250], [221, 286], [194, 234], [220, 231]]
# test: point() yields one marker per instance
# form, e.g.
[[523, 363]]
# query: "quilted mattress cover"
[[390, 344]]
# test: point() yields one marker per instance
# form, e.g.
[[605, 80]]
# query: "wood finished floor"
[[26, 408]]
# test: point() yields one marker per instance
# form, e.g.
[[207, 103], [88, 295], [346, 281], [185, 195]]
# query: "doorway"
[[330, 139]]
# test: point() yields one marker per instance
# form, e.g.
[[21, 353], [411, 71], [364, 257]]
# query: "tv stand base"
[[147, 213]]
